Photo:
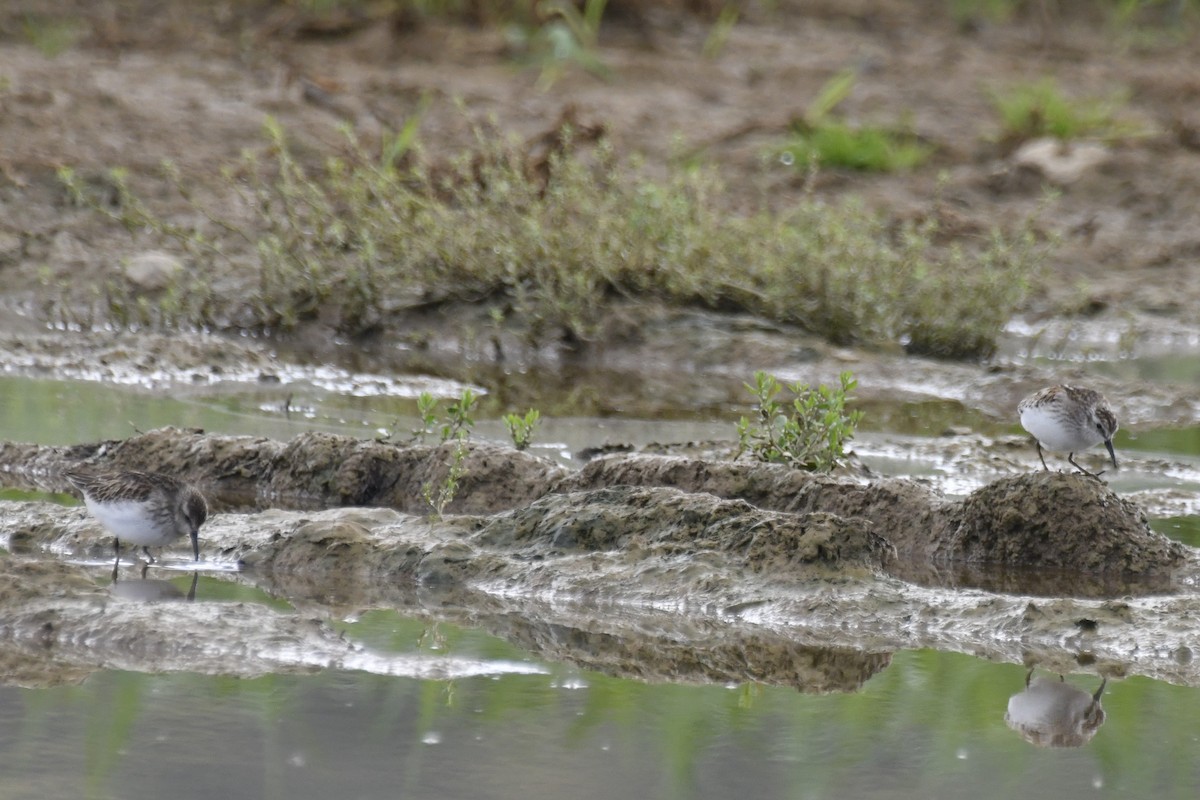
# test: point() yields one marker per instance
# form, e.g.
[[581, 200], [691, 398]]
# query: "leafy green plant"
[[521, 428], [459, 422], [819, 138], [427, 413], [1031, 110], [455, 424], [811, 432]]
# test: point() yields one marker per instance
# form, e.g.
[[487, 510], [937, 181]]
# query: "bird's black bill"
[[1112, 453], [196, 545]]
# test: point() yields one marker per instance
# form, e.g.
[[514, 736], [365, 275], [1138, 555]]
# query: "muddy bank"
[[1044, 520], [652, 567], [313, 470], [656, 607]]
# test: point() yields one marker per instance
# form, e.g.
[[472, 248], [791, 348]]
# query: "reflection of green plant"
[[521, 428], [1031, 110], [821, 139], [812, 433]]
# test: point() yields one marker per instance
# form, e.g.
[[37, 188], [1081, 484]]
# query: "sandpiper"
[[146, 508], [1070, 419]]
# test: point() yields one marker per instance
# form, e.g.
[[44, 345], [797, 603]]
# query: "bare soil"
[[144, 82]]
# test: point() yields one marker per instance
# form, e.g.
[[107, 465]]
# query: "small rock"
[[153, 270], [1061, 162]]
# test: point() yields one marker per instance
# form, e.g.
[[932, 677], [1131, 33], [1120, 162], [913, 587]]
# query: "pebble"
[[153, 270]]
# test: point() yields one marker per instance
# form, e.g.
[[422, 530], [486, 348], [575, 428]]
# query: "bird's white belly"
[[130, 522], [1055, 434]]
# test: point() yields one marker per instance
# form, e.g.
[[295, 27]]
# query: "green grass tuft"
[[1032, 110], [837, 144], [821, 139]]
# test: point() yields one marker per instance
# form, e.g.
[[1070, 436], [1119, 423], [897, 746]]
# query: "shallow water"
[[927, 725]]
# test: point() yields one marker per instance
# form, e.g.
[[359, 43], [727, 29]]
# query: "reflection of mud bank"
[[716, 658], [58, 626]]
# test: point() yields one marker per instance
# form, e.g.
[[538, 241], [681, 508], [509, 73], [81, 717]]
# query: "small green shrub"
[[454, 426], [810, 433], [521, 428], [457, 422]]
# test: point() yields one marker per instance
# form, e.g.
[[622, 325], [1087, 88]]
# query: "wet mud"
[[649, 566]]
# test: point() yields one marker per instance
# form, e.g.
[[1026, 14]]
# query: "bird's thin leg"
[[116, 563], [146, 550], [1096, 475], [1042, 457], [117, 547]]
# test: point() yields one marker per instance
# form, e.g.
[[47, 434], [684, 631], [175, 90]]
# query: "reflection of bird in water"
[[1053, 713], [145, 590]]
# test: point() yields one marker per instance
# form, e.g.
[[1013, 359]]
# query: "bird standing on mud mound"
[[145, 508], [1070, 419]]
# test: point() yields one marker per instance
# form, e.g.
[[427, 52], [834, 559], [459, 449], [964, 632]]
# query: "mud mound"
[[1048, 520], [668, 522], [902, 511], [313, 470], [1056, 520]]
